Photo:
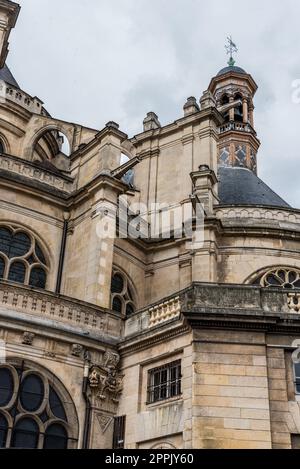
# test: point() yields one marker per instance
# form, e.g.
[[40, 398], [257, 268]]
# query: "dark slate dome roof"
[[232, 68], [7, 76], [240, 186]]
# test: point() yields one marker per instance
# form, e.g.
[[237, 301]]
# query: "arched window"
[[225, 100], [56, 437], [238, 112], [50, 145], [6, 386], [32, 393], [3, 431], [297, 377], [2, 147], [40, 416], [122, 299], [25, 434], [21, 258], [279, 277]]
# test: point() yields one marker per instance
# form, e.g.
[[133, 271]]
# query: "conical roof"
[[7, 76]]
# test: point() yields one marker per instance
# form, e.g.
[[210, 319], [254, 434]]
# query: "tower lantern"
[[233, 90]]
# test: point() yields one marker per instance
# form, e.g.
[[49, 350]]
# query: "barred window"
[[32, 410], [21, 258], [119, 432], [164, 382], [297, 377], [122, 299]]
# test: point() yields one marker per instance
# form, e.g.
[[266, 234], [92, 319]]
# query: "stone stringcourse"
[[29, 170], [164, 312]]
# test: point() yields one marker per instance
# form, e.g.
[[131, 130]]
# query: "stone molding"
[[67, 311], [259, 213], [30, 171]]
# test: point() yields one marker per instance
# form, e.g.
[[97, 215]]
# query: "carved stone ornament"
[[105, 380], [104, 421], [28, 338], [77, 350]]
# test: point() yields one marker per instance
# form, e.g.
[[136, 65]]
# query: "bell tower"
[[233, 90]]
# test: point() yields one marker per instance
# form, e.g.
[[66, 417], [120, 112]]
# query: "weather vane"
[[231, 48]]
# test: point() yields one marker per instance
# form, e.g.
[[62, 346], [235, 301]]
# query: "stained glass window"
[[56, 405], [121, 295], [17, 272], [37, 278], [25, 434], [19, 252], [2, 267], [55, 437], [38, 413], [279, 278], [3, 431], [6, 386], [32, 393]]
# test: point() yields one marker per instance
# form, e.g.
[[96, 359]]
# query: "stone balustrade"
[[294, 302], [21, 98], [57, 308], [29, 170], [236, 126], [164, 312]]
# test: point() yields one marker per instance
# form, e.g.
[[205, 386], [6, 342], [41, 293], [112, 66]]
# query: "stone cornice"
[[60, 309], [242, 77], [28, 169], [239, 307], [206, 114], [144, 340]]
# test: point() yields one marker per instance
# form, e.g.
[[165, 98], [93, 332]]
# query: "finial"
[[231, 49]]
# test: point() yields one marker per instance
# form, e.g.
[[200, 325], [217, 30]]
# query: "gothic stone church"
[[144, 342]]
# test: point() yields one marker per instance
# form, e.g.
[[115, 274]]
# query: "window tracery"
[[279, 277], [122, 298], [21, 258], [32, 413]]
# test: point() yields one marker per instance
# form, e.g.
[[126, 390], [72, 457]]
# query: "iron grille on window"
[[164, 382], [297, 377], [119, 432]]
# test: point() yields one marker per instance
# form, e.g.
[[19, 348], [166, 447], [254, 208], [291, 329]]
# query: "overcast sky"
[[92, 61]]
